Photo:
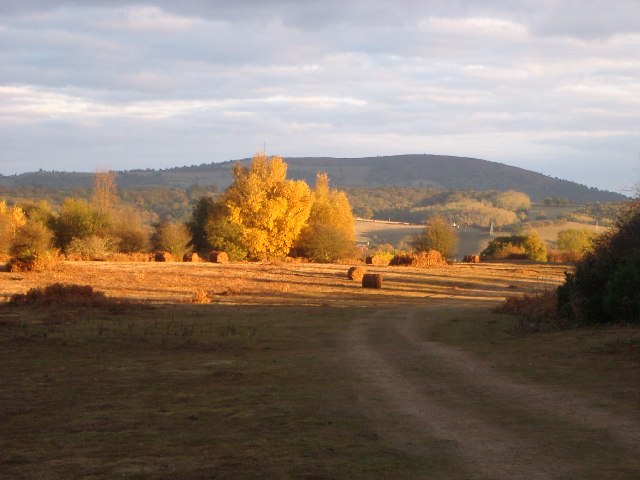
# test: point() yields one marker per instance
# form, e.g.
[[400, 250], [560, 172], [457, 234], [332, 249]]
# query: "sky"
[[550, 86]]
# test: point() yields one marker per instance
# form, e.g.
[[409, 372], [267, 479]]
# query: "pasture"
[[294, 371]]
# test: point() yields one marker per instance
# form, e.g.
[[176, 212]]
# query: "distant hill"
[[436, 171]]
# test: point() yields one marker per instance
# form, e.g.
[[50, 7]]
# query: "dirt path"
[[416, 390]]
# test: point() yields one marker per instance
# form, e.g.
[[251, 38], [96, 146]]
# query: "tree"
[[438, 235], [526, 246], [329, 233], [105, 196], [203, 211], [77, 219], [269, 210], [11, 219], [535, 247], [575, 240], [224, 235], [130, 232], [172, 237]]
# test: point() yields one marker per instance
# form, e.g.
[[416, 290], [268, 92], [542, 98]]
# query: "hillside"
[[435, 171]]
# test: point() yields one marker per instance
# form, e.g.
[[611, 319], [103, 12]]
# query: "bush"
[[535, 313], [173, 238], [92, 247], [528, 246], [59, 294], [605, 287]]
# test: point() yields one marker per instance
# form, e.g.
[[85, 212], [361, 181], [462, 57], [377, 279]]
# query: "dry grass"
[[283, 283], [258, 384]]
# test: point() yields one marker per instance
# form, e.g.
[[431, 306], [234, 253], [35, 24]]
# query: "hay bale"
[[163, 257], [191, 257], [471, 259], [356, 273], [218, 257], [372, 280]]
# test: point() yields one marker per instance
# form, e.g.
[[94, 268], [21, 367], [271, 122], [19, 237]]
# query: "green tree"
[[129, 230], [270, 210], [329, 234], [438, 235], [172, 237], [204, 210], [224, 235], [576, 240], [529, 245], [77, 219], [535, 247]]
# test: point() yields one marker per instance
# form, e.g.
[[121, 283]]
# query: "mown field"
[[294, 371]]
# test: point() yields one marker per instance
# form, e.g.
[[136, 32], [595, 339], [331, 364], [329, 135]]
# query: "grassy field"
[[293, 371]]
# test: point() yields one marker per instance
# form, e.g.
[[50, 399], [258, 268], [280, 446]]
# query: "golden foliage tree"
[[329, 234], [269, 210], [11, 219]]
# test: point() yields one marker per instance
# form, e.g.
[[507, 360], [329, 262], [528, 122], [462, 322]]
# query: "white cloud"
[[173, 83]]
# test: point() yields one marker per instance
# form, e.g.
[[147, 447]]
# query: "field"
[[294, 371]]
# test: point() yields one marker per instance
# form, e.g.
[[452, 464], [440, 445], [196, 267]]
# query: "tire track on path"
[[488, 451], [569, 406]]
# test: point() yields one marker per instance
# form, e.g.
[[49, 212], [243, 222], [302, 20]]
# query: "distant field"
[[472, 240], [294, 371]]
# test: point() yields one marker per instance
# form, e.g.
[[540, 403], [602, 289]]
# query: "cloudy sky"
[[548, 85]]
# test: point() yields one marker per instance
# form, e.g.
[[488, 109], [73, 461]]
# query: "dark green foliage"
[[204, 209], [224, 235], [77, 219], [326, 243], [605, 287]]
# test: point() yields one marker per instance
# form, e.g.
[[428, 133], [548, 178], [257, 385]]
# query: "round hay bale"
[[356, 273], [191, 257], [471, 259], [372, 280], [380, 259], [218, 257], [163, 257]]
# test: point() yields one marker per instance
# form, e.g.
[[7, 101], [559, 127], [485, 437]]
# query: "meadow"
[[294, 371]]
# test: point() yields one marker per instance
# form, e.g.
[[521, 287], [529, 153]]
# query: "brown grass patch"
[[200, 296], [59, 294], [536, 312], [432, 258]]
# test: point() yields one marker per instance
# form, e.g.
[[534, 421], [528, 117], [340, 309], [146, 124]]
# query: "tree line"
[[261, 215]]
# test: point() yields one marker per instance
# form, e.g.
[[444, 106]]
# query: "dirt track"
[[417, 390]]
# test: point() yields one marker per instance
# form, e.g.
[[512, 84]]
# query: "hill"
[[436, 171]]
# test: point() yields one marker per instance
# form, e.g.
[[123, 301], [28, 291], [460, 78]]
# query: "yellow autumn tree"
[[269, 210], [11, 219], [329, 234]]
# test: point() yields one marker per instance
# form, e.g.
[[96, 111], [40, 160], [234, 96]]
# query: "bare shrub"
[[430, 258], [59, 294], [200, 296], [535, 313], [92, 247]]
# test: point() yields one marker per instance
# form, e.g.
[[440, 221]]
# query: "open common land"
[[294, 371]]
